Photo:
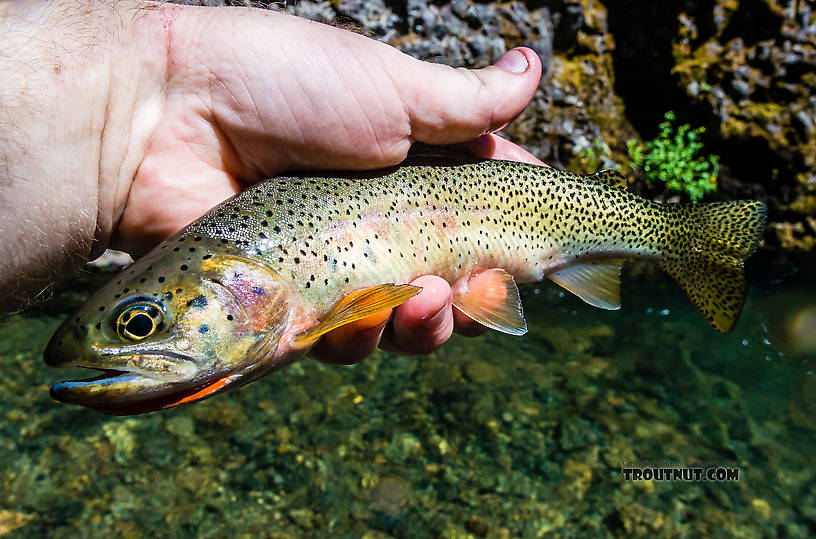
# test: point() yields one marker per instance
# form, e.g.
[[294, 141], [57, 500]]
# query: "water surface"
[[498, 436]]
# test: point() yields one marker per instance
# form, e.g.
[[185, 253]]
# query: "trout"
[[254, 283]]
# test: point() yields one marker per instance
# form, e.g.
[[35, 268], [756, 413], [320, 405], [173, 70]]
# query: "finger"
[[423, 323], [353, 342], [492, 146], [450, 105]]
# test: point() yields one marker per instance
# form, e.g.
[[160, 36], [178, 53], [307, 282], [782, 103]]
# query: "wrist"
[[79, 89]]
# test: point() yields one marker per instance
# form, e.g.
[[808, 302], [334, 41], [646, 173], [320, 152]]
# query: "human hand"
[[235, 95], [323, 98], [290, 94]]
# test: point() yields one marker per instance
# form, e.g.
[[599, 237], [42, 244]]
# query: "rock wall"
[[744, 69]]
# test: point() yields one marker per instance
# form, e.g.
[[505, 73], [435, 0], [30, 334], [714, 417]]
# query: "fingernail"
[[513, 61]]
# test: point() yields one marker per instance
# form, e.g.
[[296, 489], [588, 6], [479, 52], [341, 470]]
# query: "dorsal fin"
[[612, 178]]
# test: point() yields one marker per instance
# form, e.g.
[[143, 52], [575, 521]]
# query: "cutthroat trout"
[[254, 283]]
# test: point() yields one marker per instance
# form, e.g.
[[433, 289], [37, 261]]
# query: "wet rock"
[[220, 415], [761, 508], [182, 427], [391, 495], [804, 122], [641, 521], [760, 84], [12, 520], [482, 372], [303, 518], [477, 525], [122, 437], [741, 88], [577, 433]]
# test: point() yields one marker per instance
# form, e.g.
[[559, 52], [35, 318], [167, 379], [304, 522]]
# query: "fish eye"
[[139, 321]]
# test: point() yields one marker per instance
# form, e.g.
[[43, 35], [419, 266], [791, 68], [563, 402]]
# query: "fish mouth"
[[129, 390]]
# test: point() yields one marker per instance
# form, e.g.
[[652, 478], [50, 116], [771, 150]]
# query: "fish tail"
[[711, 244]]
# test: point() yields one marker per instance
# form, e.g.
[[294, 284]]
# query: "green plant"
[[675, 158], [591, 158]]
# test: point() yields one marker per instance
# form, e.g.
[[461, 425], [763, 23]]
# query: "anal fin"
[[597, 283], [360, 304], [492, 299]]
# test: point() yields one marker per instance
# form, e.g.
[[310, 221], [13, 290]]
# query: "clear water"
[[496, 436]]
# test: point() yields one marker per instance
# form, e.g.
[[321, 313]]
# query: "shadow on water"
[[496, 436]]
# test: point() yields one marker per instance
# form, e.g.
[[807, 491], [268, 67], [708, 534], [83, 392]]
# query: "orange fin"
[[360, 304], [597, 283], [492, 299]]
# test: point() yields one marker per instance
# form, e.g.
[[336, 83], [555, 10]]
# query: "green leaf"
[[675, 158]]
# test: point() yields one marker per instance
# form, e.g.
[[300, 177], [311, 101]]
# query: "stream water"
[[497, 436]]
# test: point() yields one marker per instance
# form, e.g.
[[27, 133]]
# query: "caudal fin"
[[711, 245]]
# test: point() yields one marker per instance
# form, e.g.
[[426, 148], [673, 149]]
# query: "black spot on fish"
[[161, 279], [198, 302], [183, 267]]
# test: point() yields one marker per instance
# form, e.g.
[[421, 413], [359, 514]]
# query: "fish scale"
[[254, 283]]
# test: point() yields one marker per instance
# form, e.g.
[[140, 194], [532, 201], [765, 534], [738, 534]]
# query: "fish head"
[[172, 330]]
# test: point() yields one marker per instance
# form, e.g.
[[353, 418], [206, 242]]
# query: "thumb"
[[447, 105]]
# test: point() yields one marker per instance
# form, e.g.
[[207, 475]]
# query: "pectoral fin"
[[360, 304], [492, 299], [597, 283]]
